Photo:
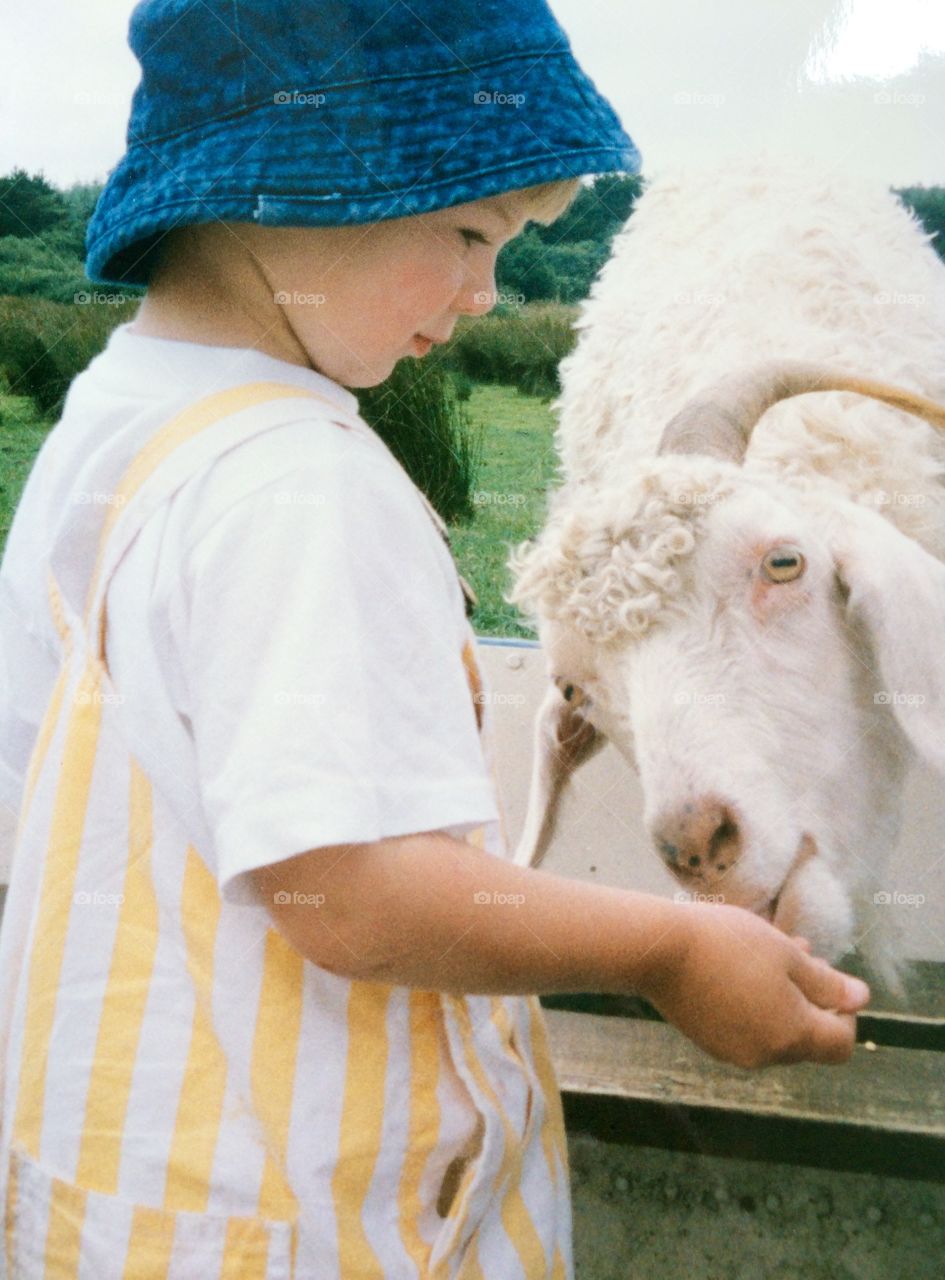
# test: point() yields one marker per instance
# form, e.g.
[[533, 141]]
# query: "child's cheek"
[[426, 281]]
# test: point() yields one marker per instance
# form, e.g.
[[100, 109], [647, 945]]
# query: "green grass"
[[518, 466], [22, 431]]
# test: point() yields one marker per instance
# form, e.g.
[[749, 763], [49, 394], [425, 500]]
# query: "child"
[[265, 1009]]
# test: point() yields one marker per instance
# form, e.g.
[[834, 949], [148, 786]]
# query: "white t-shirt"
[[284, 632], [181, 1092]]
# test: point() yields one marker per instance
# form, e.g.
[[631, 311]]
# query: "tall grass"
[[519, 346], [419, 415], [419, 411], [43, 345]]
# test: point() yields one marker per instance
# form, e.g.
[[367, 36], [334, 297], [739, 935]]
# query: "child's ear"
[[897, 593]]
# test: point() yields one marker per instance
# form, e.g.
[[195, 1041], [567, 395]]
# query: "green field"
[[518, 465], [22, 431]]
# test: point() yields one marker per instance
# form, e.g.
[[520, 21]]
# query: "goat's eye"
[[783, 564]]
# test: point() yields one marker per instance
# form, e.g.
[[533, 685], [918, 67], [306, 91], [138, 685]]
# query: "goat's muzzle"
[[699, 840]]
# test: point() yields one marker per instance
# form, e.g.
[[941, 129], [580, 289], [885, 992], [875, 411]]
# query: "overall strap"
[[217, 422]]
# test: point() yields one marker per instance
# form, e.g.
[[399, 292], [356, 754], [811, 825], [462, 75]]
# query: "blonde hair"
[[544, 202]]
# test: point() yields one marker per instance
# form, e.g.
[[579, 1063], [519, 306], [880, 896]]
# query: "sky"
[[859, 84]]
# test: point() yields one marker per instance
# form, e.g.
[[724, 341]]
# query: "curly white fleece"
[[714, 273], [613, 567]]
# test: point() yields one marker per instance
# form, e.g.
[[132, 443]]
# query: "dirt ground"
[[646, 1214]]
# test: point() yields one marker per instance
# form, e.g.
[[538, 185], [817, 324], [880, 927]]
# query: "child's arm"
[[437, 913]]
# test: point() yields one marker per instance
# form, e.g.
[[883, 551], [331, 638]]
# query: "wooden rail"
[[629, 1078]]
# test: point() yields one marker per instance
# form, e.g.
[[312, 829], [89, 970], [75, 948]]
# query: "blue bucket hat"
[[323, 112]]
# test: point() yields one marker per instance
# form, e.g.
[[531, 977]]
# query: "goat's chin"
[[813, 904], [810, 901], [778, 908]]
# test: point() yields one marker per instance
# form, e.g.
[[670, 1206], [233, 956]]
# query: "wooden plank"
[[630, 1080], [901, 1089]]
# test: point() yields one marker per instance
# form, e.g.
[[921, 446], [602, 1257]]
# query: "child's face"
[[360, 298]]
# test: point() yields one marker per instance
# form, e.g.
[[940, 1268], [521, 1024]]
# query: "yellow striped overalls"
[[183, 1095]]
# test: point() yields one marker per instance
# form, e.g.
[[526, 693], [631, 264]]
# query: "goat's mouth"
[[806, 849]]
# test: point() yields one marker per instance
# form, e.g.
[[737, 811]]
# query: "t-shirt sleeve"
[[322, 654], [29, 665]]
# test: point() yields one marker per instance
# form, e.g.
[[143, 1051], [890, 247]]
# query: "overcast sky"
[[860, 83]]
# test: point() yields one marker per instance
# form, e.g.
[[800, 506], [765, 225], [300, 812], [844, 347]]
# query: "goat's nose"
[[700, 837]]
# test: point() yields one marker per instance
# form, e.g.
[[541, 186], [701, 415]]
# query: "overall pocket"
[[52, 1226]]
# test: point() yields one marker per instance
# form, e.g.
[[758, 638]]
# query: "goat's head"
[[765, 657]]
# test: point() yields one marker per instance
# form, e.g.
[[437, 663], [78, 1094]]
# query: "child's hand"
[[750, 995]]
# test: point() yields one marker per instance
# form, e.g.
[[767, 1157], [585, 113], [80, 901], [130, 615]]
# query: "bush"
[[39, 269], [928, 205], [537, 270], [520, 346], [44, 345], [418, 415], [29, 205]]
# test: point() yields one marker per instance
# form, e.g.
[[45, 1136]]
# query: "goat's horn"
[[720, 420]]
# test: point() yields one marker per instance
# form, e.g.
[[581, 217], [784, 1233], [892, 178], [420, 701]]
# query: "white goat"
[[762, 633]]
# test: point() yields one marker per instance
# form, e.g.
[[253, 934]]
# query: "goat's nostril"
[[724, 836], [699, 838]]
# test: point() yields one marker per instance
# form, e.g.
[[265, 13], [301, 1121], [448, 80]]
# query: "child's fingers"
[[829, 988], [831, 1038], [803, 943]]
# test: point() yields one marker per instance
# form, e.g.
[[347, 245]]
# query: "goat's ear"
[[896, 592], [564, 739]]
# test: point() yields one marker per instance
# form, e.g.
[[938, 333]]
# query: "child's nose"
[[477, 297], [476, 302]]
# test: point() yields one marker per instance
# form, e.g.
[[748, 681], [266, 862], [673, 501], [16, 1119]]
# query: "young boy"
[[256, 1018]]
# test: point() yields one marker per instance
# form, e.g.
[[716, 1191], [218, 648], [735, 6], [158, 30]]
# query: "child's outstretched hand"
[[750, 995]]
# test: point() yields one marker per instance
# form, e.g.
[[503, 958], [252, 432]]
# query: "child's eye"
[[472, 236]]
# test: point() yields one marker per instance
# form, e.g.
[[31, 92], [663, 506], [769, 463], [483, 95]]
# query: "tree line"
[[42, 238]]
